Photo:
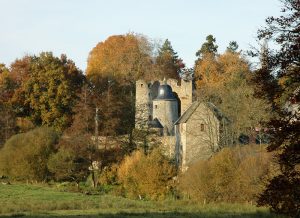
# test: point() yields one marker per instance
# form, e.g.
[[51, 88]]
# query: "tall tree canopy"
[[49, 93], [121, 56], [225, 81], [208, 47], [168, 62], [130, 57], [282, 194]]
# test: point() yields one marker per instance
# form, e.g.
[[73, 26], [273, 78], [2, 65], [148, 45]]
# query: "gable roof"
[[188, 113]]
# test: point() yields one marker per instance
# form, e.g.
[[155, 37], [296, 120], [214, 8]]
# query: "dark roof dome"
[[165, 93]]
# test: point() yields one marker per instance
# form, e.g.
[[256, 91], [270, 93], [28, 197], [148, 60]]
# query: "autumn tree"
[[225, 81], [282, 193], [7, 115], [49, 93], [121, 56]]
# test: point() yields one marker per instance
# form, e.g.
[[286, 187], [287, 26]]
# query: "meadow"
[[21, 200]]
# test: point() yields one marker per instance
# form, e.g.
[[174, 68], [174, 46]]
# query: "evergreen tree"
[[208, 47], [168, 62], [232, 47]]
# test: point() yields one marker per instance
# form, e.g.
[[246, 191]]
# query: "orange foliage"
[[120, 55], [213, 70]]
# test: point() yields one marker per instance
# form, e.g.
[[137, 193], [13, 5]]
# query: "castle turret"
[[165, 108]]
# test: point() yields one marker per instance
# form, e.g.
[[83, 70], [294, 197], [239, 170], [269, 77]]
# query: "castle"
[[189, 129]]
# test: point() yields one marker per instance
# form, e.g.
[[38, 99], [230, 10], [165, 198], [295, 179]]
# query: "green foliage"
[[146, 176], [30, 152], [208, 47], [232, 175], [48, 95], [168, 62], [72, 160], [232, 47]]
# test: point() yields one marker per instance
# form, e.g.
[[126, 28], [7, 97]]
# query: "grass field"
[[41, 201]]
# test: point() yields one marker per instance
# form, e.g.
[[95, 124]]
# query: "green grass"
[[41, 201]]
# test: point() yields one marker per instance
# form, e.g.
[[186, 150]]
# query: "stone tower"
[[143, 104], [165, 108]]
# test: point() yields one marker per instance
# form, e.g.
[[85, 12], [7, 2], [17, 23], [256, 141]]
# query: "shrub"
[[146, 176], [233, 175], [24, 156]]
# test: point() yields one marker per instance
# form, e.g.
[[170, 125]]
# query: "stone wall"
[[184, 92], [143, 104], [199, 136], [147, 91]]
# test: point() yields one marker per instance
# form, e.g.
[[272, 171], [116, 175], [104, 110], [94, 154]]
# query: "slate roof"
[[155, 124], [188, 113]]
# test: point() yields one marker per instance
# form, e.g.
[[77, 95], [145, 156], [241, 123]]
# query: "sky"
[[74, 27]]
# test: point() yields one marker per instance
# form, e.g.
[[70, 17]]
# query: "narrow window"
[[142, 85], [150, 118], [155, 106], [202, 127]]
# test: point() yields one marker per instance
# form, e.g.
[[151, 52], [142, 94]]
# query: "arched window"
[[150, 118]]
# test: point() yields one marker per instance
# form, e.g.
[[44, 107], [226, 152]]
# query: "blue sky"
[[74, 27]]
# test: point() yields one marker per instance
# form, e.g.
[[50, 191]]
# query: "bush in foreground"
[[146, 176], [233, 175], [24, 156]]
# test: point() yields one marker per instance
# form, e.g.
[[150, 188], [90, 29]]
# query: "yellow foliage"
[[214, 71], [120, 55], [233, 175], [146, 176]]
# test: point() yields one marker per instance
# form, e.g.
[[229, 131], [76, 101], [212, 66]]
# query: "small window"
[[202, 127], [155, 106], [142, 85], [150, 118]]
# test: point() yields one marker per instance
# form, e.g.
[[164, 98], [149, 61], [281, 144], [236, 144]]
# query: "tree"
[[168, 62], [282, 193], [224, 80], [49, 94], [265, 83], [126, 57], [232, 47], [72, 160], [208, 47], [7, 115]]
